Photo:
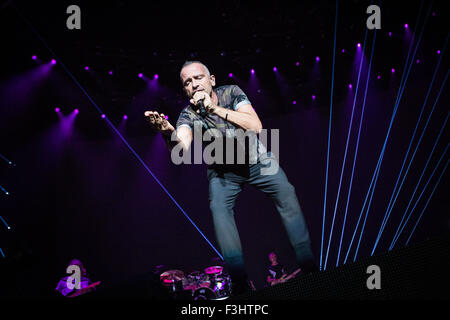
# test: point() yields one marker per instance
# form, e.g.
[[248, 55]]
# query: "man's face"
[[195, 78], [273, 257]]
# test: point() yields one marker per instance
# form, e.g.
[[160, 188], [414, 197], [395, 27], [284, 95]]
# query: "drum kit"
[[211, 284]]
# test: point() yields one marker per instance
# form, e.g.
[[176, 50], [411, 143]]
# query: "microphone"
[[202, 108]]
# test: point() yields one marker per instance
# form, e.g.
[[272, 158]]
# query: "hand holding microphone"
[[203, 103]]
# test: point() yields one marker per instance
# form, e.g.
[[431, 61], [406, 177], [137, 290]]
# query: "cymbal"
[[172, 276], [214, 270]]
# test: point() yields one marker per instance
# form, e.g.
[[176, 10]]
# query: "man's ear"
[[213, 80]]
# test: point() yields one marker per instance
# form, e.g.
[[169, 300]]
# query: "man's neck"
[[214, 98]]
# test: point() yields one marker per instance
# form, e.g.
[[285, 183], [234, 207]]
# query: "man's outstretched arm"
[[183, 134]]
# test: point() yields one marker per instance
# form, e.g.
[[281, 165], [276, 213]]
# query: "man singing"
[[227, 109]]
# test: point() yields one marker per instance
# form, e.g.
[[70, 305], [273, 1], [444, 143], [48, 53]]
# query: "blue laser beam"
[[357, 147], [7, 160], [420, 179], [380, 158], [392, 201], [411, 44], [329, 135], [1, 251], [428, 201], [346, 149], [389, 130], [4, 222], [112, 126], [4, 190], [160, 184], [394, 241]]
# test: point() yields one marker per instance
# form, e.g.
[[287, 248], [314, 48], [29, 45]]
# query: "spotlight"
[[140, 75], [57, 110], [275, 69], [378, 77], [350, 86], [167, 117], [297, 63], [76, 111], [86, 68], [417, 61], [358, 45], [439, 52], [34, 57], [156, 76], [343, 50], [313, 97], [390, 33], [230, 75], [110, 72], [393, 70], [125, 117], [53, 61], [406, 26], [317, 59], [252, 71], [294, 102], [103, 116]]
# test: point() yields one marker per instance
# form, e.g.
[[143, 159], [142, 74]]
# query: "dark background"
[[87, 196]]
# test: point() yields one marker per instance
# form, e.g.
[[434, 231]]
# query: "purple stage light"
[[317, 59], [378, 77], [86, 68], [156, 76], [343, 50], [110, 72], [358, 45], [140, 75], [275, 69], [406, 26], [294, 102], [230, 75], [417, 61], [53, 61], [76, 111], [313, 97], [252, 71], [57, 110], [350, 86], [439, 52], [167, 117], [393, 70], [125, 117], [390, 33], [297, 63], [34, 57], [103, 116]]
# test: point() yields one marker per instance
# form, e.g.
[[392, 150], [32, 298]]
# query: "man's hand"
[[207, 102], [159, 122]]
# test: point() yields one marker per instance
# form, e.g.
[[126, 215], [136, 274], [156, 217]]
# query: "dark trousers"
[[225, 184]]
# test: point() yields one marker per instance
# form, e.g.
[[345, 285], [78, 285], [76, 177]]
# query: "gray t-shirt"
[[229, 97]]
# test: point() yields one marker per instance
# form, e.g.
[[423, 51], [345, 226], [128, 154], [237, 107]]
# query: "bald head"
[[187, 63], [195, 77]]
